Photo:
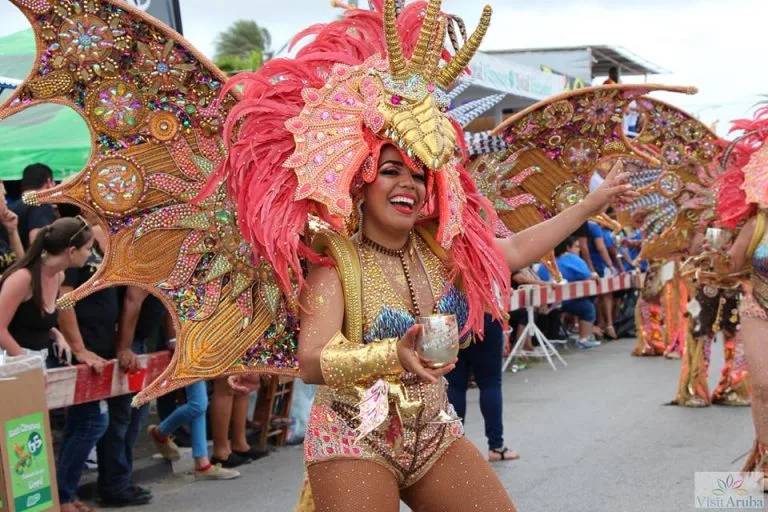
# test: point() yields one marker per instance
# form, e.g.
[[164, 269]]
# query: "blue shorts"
[[583, 308]]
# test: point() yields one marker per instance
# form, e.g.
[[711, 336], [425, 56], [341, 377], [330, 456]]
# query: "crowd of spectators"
[[48, 251]]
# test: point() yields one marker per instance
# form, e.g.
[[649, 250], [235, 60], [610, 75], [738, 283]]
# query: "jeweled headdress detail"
[[206, 190], [305, 128]]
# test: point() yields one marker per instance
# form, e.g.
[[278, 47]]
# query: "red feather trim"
[[732, 206]]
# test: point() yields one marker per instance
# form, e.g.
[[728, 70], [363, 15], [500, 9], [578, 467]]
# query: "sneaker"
[[586, 344], [594, 340], [216, 472], [164, 444]]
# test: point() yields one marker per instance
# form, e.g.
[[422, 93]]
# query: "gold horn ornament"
[[456, 66], [414, 101], [397, 64], [427, 39]]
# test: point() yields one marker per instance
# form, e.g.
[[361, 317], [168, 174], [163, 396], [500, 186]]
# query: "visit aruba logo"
[[731, 490], [730, 484]]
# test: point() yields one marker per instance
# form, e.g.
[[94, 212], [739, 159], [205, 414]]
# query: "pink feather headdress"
[[306, 128], [744, 185]]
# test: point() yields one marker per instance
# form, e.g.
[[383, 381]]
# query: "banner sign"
[[502, 75], [167, 11]]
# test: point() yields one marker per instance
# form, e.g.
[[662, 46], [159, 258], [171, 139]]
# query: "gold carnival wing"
[[554, 146], [678, 191], [150, 102]]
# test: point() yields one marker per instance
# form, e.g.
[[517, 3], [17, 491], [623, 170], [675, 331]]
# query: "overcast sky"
[[720, 46]]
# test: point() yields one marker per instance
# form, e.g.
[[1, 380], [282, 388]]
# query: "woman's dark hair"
[[53, 239], [563, 246]]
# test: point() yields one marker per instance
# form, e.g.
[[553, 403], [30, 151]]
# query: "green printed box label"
[[26, 444]]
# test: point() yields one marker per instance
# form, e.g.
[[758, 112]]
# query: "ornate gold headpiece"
[[414, 100]]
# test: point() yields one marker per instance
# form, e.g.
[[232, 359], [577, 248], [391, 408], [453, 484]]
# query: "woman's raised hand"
[[615, 189]]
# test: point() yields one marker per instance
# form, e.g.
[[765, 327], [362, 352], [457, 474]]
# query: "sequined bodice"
[[409, 440], [386, 313], [760, 272]]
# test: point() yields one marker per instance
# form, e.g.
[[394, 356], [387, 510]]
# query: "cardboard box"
[[27, 468]]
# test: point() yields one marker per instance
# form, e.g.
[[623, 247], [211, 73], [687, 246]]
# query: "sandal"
[[503, 453]]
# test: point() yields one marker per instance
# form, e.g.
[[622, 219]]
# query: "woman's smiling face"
[[395, 198]]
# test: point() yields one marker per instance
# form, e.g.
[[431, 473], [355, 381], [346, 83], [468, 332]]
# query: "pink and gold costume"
[[405, 444]]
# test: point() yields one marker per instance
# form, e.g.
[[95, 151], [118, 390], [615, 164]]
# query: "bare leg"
[[460, 480], [608, 315], [753, 335], [585, 329], [221, 414], [527, 344], [352, 486], [601, 320], [239, 419]]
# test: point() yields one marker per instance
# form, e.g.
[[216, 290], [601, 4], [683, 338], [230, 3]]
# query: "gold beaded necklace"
[[401, 254]]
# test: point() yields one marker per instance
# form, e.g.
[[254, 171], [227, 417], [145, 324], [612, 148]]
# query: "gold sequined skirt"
[[408, 447]]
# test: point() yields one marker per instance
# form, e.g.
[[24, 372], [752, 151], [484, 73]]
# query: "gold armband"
[[344, 363]]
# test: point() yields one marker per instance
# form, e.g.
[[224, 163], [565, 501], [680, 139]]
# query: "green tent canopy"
[[50, 134]]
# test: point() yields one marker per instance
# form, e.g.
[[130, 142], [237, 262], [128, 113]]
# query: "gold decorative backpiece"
[[554, 145], [150, 102]]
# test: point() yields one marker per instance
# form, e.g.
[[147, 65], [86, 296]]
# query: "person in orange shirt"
[[613, 76]]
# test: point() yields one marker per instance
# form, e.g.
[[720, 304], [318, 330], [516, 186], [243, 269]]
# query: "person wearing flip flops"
[[484, 361], [229, 413]]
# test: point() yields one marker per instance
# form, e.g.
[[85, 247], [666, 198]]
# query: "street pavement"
[[594, 436]]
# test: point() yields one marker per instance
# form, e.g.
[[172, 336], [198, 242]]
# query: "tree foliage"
[[242, 39], [232, 64]]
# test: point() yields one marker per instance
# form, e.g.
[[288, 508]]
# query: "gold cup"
[[439, 342]]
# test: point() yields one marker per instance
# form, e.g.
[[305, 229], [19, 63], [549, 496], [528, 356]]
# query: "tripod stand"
[[533, 330]]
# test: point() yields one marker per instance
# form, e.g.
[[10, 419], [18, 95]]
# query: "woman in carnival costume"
[[743, 198], [648, 314], [713, 310], [352, 137], [354, 131]]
